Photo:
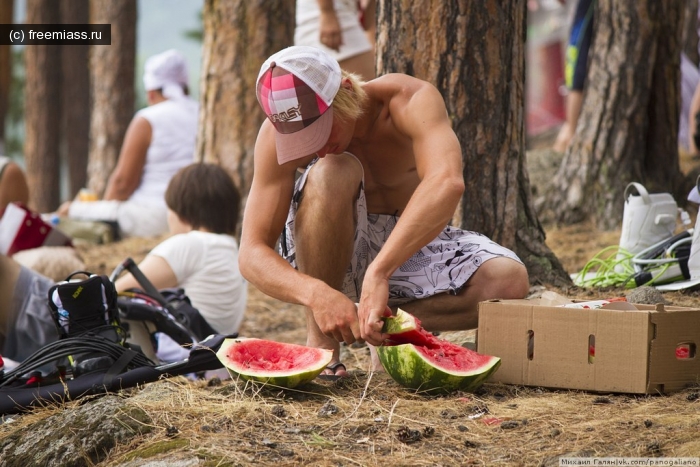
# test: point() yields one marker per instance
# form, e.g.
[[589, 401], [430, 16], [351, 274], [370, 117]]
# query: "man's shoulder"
[[396, 84]]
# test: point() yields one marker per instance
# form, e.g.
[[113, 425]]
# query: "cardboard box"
[[650, 349]]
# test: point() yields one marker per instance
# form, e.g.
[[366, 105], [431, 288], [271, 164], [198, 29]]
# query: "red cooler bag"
[[23, 229]]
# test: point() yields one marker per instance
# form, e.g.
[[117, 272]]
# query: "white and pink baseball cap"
[[296, 87]]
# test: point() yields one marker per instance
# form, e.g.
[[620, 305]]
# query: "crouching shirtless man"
[[360, 179]]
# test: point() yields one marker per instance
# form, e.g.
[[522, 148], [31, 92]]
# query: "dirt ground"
[[367, 419]]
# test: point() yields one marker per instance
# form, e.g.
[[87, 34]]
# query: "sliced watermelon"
[[416, 359], [275, 363]]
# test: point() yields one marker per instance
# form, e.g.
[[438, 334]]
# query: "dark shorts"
[[579, 42], [31, 327], [443, 265]]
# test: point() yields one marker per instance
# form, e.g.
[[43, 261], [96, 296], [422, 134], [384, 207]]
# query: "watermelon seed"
[[648, 423]]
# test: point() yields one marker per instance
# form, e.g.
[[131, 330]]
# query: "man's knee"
[[333, 178], [503, 278]]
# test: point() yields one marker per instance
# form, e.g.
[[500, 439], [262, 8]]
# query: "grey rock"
[[79, 437], [646, 295]]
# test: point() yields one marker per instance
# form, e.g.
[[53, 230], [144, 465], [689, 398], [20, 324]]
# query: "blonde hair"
[[348, 102]]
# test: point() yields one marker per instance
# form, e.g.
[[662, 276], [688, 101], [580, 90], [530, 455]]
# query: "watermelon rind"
[[408, 367], [298, 376], [400, 323]]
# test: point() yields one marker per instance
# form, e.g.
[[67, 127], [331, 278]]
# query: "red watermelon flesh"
[[444, 354], [274, 356]]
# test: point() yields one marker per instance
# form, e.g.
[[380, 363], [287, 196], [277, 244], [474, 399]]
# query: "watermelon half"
[[416, 359], [275, 363]]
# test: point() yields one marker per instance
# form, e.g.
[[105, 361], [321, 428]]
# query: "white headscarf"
[[166, 71]]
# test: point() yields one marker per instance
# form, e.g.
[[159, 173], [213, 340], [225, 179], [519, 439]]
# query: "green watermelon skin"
[[407, 365], [416, 359], [273, 363]]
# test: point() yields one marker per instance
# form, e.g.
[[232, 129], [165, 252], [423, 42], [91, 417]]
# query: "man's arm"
[[265, 215], [418, 112]]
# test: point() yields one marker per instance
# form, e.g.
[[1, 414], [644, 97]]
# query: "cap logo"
[[291, 114]]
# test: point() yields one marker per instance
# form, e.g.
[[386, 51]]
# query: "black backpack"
[[88, 306]]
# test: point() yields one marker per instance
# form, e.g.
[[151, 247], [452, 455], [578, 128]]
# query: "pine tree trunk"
[[6, 12], [42, 112], [76, 99], [629, 121], [690, 31], [474, 52], [238, 36], [112, 80]]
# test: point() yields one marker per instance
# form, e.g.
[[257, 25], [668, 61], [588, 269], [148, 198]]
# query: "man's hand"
[[336, 317], [330, 32], [373, 307]]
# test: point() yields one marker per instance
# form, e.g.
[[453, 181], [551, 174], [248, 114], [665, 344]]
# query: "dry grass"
[[367, 419]]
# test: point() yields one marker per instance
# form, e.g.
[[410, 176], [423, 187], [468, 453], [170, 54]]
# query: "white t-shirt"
[[206, 266]]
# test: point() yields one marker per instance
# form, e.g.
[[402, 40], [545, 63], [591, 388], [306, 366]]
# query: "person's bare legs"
[[574, 101], [9, 273], [497, 278], [362, 64], [325, 230]]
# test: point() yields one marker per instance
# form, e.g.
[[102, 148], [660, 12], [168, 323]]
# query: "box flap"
[[667, 372]]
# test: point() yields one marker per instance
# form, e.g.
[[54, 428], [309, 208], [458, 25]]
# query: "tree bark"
[[690, 31], [42, 111], [238, 36], [112, 80], [76, 99], [473, 52], [6, 13], [629, 120]]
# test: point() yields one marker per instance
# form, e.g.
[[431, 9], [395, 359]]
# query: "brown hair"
[[204, 196]]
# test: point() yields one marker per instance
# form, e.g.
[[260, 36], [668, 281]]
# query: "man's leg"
[[574, 102], [501, 278], [497, 278], [324, 230]]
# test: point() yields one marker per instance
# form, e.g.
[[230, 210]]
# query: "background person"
[[159, 141], [201, 257], [336, 27], [575, 70]]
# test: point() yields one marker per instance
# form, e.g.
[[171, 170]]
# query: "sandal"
[[334, 368]]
